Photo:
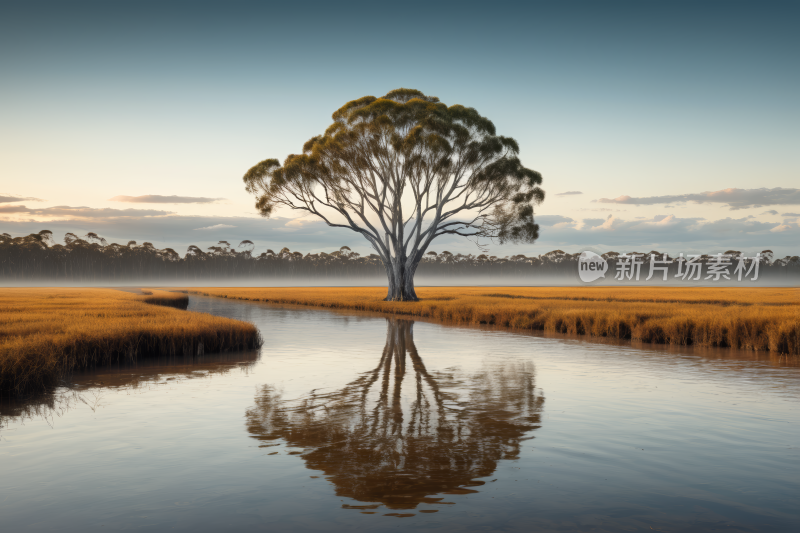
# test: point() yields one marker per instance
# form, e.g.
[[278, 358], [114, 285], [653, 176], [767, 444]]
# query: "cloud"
[[679, 228], [734, 198], [568, 193], [302, 222], [8, 199], [781, 228], [608, 224], [65, 211], [552, 220], [215, 226], [13, 209], [665, 233], [790, 214], [180, 231], [158, 199], [592, 222], [770, 212]]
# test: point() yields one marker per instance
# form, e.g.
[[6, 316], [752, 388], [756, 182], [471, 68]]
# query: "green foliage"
[[377, 149]]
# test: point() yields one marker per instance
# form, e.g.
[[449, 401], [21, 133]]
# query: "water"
[[354, 422]]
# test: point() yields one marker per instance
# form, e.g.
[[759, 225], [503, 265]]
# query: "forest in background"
[[91, 259]]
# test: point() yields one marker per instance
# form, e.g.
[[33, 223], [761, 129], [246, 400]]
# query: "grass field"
[[761, 319], [47, 332]]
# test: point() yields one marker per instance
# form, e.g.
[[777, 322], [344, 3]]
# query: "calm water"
[[355, 422]]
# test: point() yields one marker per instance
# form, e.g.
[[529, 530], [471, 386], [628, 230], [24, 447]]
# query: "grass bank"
[[165, 298], [761, 319], [46, 333]]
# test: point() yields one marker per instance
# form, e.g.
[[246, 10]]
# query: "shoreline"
[[751, 319], [47, 333]]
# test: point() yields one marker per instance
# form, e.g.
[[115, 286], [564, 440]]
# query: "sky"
[[668, 126]]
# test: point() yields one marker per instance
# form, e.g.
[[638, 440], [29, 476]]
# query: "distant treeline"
[[92, 259]]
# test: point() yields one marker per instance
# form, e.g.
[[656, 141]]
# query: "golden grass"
[[761, 319], [46, 332], [168, 299]]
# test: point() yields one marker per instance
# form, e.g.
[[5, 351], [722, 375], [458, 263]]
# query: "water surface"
[[355, 422]]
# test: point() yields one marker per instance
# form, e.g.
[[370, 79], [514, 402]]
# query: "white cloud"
[[70, 213], [665, 233], [215, 226], [734, 198], [781, 228], [302, 222], [158, 199], [179, 231], [4, 199], [553, 220], [607, 225]]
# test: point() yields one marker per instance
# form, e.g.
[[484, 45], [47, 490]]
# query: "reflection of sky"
[[628, 437], [626, 99]]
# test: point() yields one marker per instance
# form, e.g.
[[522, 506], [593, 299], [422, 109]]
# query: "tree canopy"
[[402, 170]]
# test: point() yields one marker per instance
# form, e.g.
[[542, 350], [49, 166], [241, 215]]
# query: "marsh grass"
[[168, 299], [46, 333], [759, 319]]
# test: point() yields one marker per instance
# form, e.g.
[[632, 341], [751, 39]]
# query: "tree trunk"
[[401, 281]]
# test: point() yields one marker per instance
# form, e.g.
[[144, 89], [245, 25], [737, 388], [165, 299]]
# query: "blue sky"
[[669, 104]]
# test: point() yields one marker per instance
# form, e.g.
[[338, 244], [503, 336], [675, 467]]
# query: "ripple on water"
[[346, 421]]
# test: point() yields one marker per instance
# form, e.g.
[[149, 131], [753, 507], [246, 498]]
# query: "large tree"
[[402, 170]]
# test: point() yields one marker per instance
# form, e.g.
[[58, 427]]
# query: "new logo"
[[591, 267]]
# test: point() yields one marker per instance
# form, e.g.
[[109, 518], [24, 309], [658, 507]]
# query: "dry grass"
[[45, 333], [165, 298], [761, 319]]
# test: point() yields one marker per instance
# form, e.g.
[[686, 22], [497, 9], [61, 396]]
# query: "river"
[[345, 422]]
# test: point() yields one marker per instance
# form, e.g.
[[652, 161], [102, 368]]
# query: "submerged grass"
[[760, 319], [46, 333]]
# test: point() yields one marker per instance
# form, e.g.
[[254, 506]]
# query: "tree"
[[402, 170]]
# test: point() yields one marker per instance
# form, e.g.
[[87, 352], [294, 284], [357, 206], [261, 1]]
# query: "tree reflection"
[[399, 434]]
